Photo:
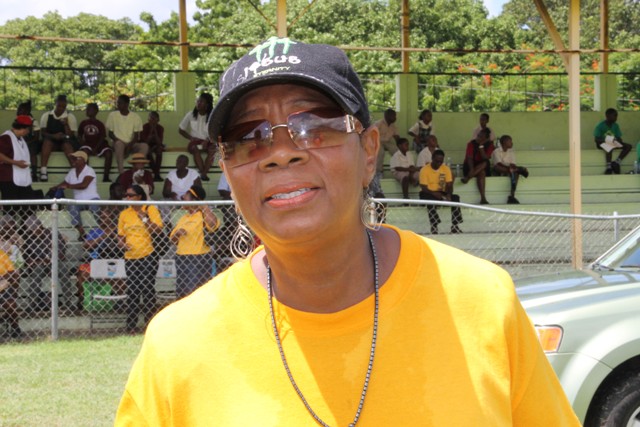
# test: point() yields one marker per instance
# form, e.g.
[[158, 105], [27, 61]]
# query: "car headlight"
[[550, 337]]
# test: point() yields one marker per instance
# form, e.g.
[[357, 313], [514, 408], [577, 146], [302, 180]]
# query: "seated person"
[[403, 167], [421, 130], [484, 121], [100, 243], [504, 164], [57, 128], [153, 134], [424, 157], [124, 127], [608, 130], [177, 183], [82, 180], [137, 175], [436, 181], [37, 261], [194, 128], [180, 179], [477, 162], [92, 138], [9, 280]]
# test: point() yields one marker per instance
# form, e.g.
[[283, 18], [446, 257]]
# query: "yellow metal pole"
[[281, 18], [405, 35], [604, 35], [574, 133], [184, 48]]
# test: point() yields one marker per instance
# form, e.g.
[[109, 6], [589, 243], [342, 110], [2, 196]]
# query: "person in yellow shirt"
[[335, 319], [8, 293], [436, 181], [193, 256], [138, 227]]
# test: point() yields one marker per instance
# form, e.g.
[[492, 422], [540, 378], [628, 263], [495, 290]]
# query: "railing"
[[465, 91], [65, 284]]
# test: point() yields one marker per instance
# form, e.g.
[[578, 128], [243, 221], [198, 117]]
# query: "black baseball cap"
[[282, 60]]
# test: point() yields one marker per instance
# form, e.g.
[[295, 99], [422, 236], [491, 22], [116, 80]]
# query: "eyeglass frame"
[[352, 125]]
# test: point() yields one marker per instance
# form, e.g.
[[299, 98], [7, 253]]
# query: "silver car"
[[588, 322]]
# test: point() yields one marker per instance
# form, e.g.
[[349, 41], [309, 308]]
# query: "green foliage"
[[449, 24]]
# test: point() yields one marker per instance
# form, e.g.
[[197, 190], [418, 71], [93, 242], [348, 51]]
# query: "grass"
[[65, 383]]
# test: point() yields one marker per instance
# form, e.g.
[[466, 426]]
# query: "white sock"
[[43, 169]]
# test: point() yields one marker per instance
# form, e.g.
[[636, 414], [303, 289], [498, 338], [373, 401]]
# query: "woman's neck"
[[330, 277]]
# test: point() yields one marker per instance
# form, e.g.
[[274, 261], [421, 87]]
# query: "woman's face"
[[291, 194]]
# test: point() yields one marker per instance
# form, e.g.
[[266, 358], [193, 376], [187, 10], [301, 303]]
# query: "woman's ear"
[[370, 141]]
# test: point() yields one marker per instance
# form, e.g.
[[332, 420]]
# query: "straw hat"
[[138, 158], [80, 155]]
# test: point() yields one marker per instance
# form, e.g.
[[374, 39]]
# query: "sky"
[[115, 9]]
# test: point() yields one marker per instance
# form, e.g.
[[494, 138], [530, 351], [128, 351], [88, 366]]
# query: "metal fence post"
[[616, 226], [54, 271]]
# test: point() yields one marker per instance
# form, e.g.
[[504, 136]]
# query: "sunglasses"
[[318, 128], [129, 195]]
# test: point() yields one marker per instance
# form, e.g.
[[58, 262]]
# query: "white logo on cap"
[[268, 58]]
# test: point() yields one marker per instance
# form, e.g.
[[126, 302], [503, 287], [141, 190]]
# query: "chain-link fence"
[[106, 267]]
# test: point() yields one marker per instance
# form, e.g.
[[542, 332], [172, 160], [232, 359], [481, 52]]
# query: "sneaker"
[[44, 177], [484, 202], [455, 230], [204, 178], [615, 166], [512, 201], [608, 171], [106, 179], [525, 173], [158, 178], [464, 179]]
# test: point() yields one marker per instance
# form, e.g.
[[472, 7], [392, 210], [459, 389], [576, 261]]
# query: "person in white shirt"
[[82, 180], [421, 130], [503, 159], [124, 128], [425, 156], [58, 129], [194, 128], [403, 167]]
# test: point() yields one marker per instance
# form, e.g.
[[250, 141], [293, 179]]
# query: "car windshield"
[[623, 256]]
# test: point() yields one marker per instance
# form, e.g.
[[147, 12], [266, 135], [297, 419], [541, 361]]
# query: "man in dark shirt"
[[92, 138]]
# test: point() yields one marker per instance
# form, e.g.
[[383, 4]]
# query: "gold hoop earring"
[[373, 213]]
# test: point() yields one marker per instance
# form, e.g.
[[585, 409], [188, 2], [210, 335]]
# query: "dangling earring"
[[242, 242], [373, 213]]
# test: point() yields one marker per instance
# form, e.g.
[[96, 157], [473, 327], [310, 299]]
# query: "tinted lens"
[[317, 128], [247, 142], [251, 141]]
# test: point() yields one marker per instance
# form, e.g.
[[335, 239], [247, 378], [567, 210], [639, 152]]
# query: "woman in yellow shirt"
[[138, 226], [193, 255]]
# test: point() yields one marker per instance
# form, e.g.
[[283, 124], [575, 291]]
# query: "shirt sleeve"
[[73, 122], [185, 123], [154, 216]]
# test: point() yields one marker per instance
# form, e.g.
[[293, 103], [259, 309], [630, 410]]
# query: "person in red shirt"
[[92, 138], [477, 162]]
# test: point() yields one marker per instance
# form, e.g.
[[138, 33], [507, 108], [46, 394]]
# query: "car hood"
[[553, 294]]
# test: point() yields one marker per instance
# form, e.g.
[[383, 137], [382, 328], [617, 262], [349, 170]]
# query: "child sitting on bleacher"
[[504, 164]]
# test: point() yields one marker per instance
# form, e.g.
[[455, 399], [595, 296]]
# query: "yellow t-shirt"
[[455, 348], [435, 180], [6, 266], [136, 233], [192, 243]]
